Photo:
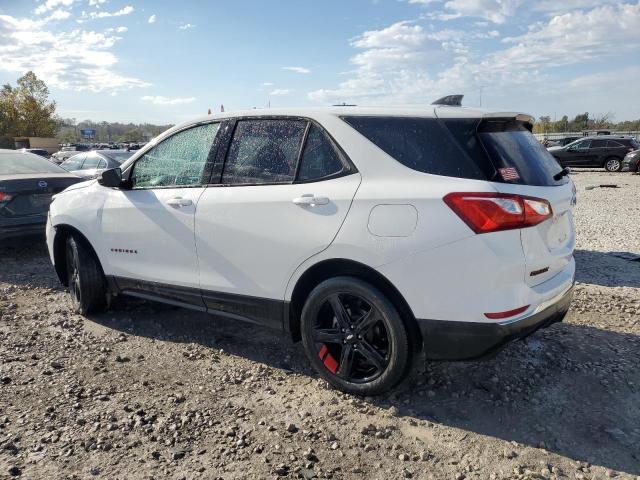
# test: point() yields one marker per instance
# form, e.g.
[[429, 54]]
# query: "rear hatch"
[[516, 163], [26, 195]]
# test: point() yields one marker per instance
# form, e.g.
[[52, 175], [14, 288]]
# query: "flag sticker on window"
[[509, 173]]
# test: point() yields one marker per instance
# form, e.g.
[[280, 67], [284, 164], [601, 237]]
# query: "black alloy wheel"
[[354, 336], [85, 279]]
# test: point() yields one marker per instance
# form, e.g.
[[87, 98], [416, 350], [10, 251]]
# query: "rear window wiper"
[[562, 173]]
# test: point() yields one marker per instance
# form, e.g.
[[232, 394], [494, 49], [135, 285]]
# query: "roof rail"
[[450, 100]]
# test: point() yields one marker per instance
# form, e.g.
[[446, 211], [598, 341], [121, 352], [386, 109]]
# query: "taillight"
[[490, 212], [5, 198]]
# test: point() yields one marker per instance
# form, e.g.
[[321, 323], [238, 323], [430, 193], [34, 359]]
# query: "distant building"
[[44, 143]]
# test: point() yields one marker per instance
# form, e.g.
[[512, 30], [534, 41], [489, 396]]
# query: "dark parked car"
[[602, 151], [90, 164], [27, 182], [37, 151], [567, 140], [631, 161]]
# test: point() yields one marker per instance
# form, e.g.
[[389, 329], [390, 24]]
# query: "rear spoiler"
[[528, 120]]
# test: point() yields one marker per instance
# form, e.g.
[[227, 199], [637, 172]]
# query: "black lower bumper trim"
[[448, 340], [25, 230]]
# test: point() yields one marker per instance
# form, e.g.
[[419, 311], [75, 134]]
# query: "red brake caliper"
[[328, 359]]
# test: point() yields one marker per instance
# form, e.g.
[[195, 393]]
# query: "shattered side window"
[[264, 151], [176, 161]]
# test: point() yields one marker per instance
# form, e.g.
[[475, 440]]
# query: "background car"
[[631, 161], [36, 151], [90, 164], [27, 182], [602, 151], [67, 152]]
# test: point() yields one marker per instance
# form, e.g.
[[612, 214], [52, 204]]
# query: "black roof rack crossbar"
[[450, 100]]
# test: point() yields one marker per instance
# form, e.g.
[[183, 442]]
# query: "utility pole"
[[481, 87]]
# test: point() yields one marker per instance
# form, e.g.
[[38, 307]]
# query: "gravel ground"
[[148, 391]]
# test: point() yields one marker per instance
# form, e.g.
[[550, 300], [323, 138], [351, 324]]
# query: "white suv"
[[371, 234]]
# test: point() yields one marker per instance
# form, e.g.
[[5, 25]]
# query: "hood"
[[554, 149]]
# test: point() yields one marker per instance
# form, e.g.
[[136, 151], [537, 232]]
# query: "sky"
[[164, 62]]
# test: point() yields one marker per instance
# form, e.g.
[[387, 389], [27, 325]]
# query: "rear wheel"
[[354, 336], [85, 279], [612, 164]]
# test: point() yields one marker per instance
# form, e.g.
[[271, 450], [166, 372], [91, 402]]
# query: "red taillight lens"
[[491, 212], [4, 198]]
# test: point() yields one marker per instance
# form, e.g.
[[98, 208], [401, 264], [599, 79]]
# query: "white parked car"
[[371, 234], [89, 165]]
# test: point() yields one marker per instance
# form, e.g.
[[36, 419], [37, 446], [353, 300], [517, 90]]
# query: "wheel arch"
[[335, 267], [63, 231]]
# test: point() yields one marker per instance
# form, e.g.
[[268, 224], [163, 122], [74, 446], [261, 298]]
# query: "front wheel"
[[354, 337], [612, 164], [85, 279]]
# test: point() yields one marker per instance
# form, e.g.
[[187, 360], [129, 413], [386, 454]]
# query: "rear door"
[[282, 196], [597, 152]]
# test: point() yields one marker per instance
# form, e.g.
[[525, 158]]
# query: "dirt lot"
[[149, 391]]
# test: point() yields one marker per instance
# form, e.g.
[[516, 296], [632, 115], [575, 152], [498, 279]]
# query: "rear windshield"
[[499, 151], [119, 157], [22, 163]]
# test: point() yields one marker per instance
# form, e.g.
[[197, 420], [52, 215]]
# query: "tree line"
[[584, 122], [27, 111]]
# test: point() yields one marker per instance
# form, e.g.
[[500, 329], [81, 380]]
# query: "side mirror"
[[111, 178]]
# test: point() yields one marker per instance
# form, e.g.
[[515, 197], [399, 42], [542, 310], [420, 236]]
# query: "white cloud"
[[302, 70], [160, 100], [557, 7], [59, 15], [77, 59], [116, 29], [407, 63], [186, 26], [574, 37], [152, 19], [267, 84], [496, 11], [51, 4], [280, 92], [101, 14], [93, 3]]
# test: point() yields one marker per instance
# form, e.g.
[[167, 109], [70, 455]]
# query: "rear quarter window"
[[463, 148], [422, 144]]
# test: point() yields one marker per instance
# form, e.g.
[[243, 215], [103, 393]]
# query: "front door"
[[269, 214], [149, 230], [577, 154]]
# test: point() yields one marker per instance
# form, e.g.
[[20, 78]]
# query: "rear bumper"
[[23, 228], [445, 340]]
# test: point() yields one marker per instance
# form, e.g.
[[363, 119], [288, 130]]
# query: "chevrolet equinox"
[[375, 235]]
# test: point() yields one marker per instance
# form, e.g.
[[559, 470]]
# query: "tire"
[[371, 354], [613, 164], [85, 278]]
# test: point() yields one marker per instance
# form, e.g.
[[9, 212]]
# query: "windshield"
[[24, 163]]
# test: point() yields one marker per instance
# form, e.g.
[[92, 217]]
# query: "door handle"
[[310, 200], [179, 202]]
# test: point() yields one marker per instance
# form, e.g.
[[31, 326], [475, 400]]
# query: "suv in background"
[[371, 234], [600, 151]]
